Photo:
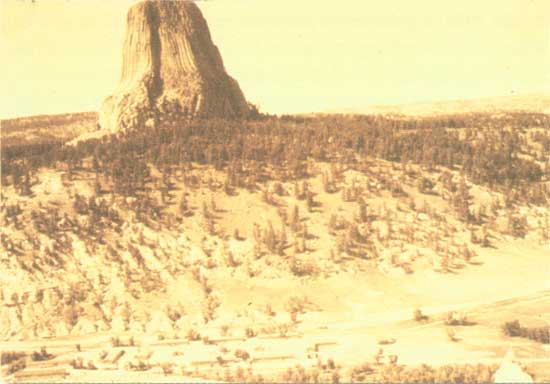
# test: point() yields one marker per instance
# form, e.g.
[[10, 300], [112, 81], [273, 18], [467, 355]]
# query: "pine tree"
[[26, 187], [183, 206]]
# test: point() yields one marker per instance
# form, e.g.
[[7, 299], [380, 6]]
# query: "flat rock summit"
[[171, 69]]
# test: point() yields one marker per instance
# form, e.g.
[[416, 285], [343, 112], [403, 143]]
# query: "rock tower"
[[171, 69]]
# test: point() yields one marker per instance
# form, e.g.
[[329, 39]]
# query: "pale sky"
[[289, 56]]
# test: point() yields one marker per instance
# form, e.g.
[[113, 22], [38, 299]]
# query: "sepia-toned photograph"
[[275, 191]]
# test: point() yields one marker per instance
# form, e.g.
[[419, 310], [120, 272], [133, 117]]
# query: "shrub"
[[42, 355], [419, 316], [514, 329], [115, 341], [193, 335], [16, 366], [9, 356], [242, 354], [167, 368], [455, 373], [249, 332], [224, 329]]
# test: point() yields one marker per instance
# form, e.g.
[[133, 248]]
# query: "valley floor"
[[356, 315]]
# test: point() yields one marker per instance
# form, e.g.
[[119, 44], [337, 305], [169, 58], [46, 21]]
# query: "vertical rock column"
[[171, 69]]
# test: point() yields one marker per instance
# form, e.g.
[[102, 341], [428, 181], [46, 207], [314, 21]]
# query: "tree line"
[[490, 151]]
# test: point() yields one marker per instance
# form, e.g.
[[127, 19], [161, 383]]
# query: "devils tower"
[[171, 69]]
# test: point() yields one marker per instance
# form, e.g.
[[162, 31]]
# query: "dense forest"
[[508, 152]]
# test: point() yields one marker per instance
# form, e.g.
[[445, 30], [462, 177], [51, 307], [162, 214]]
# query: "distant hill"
[[539, 103], [46, 128]]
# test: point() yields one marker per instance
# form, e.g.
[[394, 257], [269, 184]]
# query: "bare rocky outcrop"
[[171, 68]]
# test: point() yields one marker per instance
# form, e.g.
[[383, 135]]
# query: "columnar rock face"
[[171, 68]]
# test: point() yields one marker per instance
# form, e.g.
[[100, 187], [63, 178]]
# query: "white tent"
[[510, 371]]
